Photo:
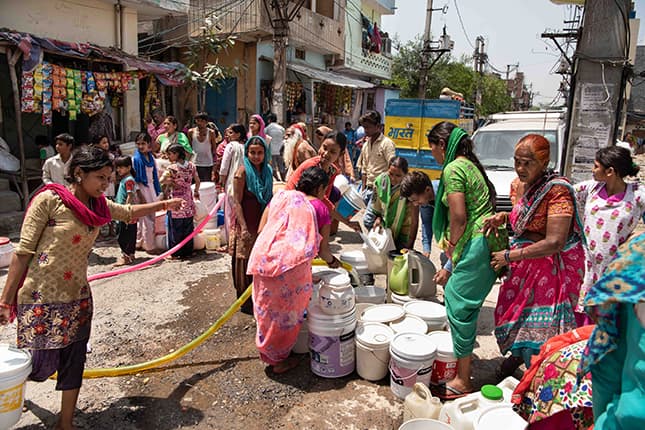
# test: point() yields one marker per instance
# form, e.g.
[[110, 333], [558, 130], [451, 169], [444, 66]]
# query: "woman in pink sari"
[[281, 266], [545, 262]]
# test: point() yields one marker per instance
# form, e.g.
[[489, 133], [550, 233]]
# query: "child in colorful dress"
[[612, 208], [181, 173], [127, 194]]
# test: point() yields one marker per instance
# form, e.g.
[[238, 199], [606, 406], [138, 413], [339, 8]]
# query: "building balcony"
[[370, 64], [250, 21], [383, 7]]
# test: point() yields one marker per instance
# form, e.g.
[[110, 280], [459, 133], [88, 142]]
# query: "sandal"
[[446, 392]]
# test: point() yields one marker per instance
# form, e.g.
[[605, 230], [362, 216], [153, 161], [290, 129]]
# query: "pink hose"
[[161, 256]]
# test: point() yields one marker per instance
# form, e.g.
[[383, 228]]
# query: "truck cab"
[[495, 145]]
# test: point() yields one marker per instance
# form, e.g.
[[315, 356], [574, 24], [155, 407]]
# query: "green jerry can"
[[398, 280]]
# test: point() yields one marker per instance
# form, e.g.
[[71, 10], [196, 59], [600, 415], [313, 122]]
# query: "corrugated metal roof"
[[329, 77]]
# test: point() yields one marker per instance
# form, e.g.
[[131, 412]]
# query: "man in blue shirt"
[[350, 134]]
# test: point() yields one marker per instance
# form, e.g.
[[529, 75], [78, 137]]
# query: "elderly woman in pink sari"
[[294, 229]]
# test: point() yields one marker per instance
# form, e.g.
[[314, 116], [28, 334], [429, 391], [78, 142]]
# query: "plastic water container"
[[350, 203], [372, 350], [161, 242], [199, 242], [160, 222], [432, 313], [212, 238], [420, 404], [342, 183], [370, 294], [385, 313], [400, 299], [425, 424], [331, 342], [15, 367], [357, 260], [207, 194], [412, 355], [336, 295], [464, 412], [409, 324], [444, 368], [492, 416], [508, 385], [6, 251]]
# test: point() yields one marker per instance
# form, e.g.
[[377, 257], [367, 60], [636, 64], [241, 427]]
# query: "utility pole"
[[599, 78], [281, 13], [425, 53], [480, 59]]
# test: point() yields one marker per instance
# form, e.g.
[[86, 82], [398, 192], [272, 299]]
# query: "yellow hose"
[[136, 368]]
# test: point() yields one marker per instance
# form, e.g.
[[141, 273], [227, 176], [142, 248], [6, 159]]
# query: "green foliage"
[[446, 72]]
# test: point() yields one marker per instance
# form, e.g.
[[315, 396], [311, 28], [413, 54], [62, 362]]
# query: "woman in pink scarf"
[[256, 128], [47, 280]]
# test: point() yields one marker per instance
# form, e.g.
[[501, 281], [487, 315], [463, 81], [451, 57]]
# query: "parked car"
[[495, 144]]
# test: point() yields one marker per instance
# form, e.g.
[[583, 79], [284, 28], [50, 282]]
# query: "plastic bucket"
[[160, 222], [15, 367], [425, 424], [385, 314], [372, 350], [6, 251], [350, 203], [444, 368], [207, 194], [357, 260], [492, 416], [409, 324], [432, 313], [412, 356], [331, 342], [399, 299], [342, 183], [212, 238], [370, 294]]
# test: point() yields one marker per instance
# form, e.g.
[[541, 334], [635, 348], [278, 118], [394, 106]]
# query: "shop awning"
[[32, 48], [329, 77]]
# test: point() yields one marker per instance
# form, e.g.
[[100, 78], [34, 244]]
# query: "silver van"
[[495, 144]]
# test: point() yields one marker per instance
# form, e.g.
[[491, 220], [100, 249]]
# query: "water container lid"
[[402, 298], [383, 313], [353, 257], [4, 240], [491, 417], [492, 392], [428, 311], [374, 334], [410, 324], [206, 186], [339, 280], [323, 272], [443, 340], [13, 360], [413, 346]]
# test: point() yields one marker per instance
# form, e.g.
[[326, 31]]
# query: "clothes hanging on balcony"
[[376, 40]]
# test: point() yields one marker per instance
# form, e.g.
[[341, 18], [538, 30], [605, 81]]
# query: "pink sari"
[[537, 299], [280, 263]]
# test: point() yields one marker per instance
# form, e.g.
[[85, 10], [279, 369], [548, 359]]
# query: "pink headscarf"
[[261, 133]]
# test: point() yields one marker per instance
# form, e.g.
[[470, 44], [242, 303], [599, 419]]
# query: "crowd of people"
[[562, 268]]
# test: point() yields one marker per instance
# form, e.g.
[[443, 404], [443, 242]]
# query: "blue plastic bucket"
[[346, 208]]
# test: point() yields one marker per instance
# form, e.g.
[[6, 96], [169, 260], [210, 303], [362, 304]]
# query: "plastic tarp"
[[32, 47]]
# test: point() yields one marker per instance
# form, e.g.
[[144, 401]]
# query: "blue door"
[[221, 103]]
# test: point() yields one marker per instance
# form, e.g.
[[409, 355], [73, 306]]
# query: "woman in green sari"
[[389, 209], [464, 199]]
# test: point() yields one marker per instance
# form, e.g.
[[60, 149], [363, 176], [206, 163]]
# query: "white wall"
[[91, 21]]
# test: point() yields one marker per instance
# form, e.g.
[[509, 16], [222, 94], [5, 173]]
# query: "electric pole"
[[598, 83], [480, 59], [425, 53], [281, 13]]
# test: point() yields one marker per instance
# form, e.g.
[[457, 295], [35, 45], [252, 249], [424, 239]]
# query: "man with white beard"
[[296, 149]]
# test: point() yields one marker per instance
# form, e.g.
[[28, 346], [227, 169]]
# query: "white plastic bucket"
[[161, 242], [432, 313], [207, 194], [385, 313], [331, 342], [212, 238], [15, 367], [425, 424], [492, 416], [342, 183], [409, 324], [399, 299], [412, 356], [372, 350], [357, 260], [6, 251], [370, 294], [444, 368]]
